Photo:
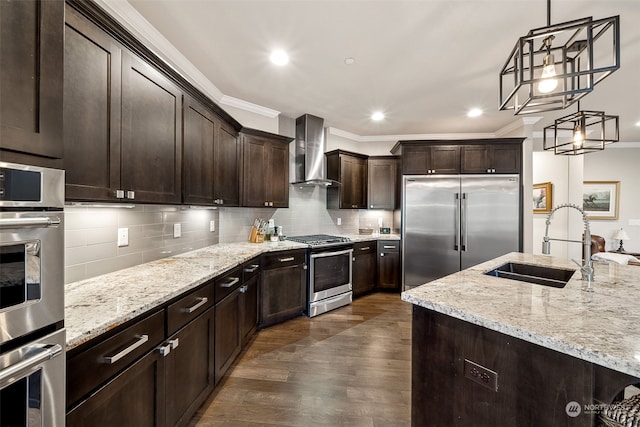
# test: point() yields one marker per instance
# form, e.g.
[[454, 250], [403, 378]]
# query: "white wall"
[[618, 164]]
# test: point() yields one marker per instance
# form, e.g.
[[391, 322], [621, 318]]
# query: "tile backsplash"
[[91, 232], [91, 236]]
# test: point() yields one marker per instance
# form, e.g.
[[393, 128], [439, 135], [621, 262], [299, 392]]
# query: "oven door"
[[32, 379], [31, 272], [329, 274]]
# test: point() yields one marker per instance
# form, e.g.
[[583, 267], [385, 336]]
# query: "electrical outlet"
[[339, 221], [177, 230], [212, 225], [123, 237]]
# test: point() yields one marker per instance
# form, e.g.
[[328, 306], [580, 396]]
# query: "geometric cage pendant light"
[[552, 67], [581, 132]]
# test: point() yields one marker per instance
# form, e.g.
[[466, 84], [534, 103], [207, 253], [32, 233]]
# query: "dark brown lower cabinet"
[[248, 309], [389, 265], [228, 340], [136, 397], [190, 368], [534, 383], [283, 292], [364, 267]]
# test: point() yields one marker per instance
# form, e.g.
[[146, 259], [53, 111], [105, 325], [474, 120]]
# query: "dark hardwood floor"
[[348, 367]]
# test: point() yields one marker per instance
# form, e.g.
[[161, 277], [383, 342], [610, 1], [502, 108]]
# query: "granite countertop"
[[99, 304], [368, 237], [602, 327]]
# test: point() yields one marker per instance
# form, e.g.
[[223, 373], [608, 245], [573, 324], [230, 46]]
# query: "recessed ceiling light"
[[279, 57], [474, 112], [377, 116], [638, 123], [349, 61]]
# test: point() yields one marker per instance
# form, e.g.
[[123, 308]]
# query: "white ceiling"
[[424, 63]]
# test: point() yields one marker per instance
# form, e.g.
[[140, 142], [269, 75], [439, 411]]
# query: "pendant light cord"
[[548, 13]]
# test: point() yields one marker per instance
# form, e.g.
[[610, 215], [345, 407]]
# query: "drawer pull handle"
[[253, 268], [201, 301], [243, 289], [389, 247], [366, 249], [230, 283], [113, 359], [286, 259], [174, 343]]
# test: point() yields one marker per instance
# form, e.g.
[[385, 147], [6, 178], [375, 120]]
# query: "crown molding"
[[249, 106], [409, 137]]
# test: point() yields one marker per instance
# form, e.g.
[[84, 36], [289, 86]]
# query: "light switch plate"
[[212, 225], [123, 237], [177, 230], [339, 221]]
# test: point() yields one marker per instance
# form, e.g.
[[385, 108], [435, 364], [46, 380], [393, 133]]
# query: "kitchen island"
[[495, 351]]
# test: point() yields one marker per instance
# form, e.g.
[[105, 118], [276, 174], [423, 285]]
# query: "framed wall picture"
[[600, 199], [542, 197]]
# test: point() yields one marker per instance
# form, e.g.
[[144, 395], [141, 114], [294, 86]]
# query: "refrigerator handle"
[[463, 221], [456, 219]]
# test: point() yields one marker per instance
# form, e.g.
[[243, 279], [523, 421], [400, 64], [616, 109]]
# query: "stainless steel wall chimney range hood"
[[309, 152]]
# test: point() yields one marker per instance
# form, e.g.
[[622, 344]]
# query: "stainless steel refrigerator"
[[452, 222]]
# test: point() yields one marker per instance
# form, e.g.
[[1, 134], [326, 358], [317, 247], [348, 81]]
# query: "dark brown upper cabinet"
[[122, 121], [211, 158], [382, 187], [31, 80], [265, 173], [491, 158], [427, 159], [350, 169], [92, 112]]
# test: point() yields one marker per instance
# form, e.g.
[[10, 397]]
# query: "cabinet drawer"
[[92, 367], [228, 283], [361, 248], [250, 269], [389, 246], [189, 307], [283, 259]]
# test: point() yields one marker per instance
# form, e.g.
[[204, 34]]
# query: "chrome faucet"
[[586, 268]]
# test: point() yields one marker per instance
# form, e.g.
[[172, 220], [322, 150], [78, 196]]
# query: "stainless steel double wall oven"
[[32, 335]]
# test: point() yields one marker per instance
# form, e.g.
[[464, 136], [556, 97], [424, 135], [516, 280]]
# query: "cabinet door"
[[134, 398], [353, 177], [415, 160], [278, 175], [151, 133], [228, 340], [282, 294], [475, 159], [445, 159], [389, 265], [381, 188], [190, 369], [249, 306], [254, 188], [198, 161], [506, 158], [364, 267], [92, 68], [31, 81], [226, 168]]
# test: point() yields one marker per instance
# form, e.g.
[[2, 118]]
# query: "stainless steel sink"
[[536, 274]]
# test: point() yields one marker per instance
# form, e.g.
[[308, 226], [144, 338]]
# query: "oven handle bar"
[[35, 222], [41, 355], [326, 254]]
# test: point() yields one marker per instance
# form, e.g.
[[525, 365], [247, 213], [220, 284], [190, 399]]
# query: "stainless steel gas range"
[[330, 272]]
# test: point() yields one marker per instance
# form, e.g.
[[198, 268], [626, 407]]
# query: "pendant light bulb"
[[578, 136], [548, 76]]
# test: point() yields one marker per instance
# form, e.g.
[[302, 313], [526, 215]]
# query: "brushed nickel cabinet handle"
[[230, 283], [201, 301], [253, 268], [365, 249], [286, 259], [389, 247], [113, 359]]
